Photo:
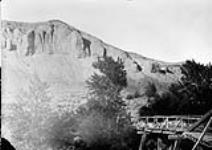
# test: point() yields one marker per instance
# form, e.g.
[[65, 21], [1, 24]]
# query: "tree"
[[106, 124], [195, 88], [191, 95], [105, 87]]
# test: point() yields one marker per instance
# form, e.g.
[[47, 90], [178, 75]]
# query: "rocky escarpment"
[[52, 37], [62, 56]]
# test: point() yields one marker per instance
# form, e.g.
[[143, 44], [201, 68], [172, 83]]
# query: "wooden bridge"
[[165, 124], [177, 128]]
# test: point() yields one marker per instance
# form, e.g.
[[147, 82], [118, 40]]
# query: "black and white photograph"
[[106, 74]]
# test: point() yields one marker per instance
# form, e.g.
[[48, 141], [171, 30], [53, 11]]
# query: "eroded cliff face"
[[53, 37], [62, 56]]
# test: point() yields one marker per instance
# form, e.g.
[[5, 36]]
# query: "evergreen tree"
[[105, 87]]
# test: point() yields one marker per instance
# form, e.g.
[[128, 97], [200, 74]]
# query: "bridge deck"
[[195, 128]]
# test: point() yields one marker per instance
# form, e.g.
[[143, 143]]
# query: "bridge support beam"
[[142, 141], [159, 143], [177, 145]]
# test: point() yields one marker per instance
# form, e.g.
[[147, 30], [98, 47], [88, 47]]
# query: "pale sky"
[[168, 30]]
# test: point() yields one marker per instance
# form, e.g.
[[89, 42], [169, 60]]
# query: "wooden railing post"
[[167, 122]]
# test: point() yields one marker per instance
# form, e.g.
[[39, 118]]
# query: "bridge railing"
[[169, 123]]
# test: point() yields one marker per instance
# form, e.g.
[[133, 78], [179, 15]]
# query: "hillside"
[[62, 56]]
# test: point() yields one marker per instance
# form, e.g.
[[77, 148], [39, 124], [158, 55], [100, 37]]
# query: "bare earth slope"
[[62, 56]]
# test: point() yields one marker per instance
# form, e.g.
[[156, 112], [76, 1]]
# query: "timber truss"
[[197, 129]]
